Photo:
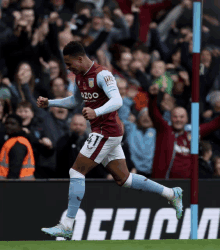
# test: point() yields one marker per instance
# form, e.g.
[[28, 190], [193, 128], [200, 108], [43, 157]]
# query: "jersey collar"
[[89, 68]]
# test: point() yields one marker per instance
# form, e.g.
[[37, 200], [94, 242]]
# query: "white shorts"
[[102, 150]]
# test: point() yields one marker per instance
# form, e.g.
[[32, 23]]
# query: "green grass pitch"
[[112, 245]]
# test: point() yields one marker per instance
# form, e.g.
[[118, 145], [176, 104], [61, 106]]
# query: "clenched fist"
[[42, 102], [88, 113]]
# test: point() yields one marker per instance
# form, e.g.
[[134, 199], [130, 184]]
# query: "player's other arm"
[[68, 102], [107, 82]]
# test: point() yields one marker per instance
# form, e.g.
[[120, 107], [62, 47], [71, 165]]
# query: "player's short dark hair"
[[74, 49]]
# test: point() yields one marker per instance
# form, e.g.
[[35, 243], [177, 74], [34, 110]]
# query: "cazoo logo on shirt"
[[89, 96]]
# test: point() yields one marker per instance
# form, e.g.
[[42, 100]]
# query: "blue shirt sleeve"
[[107, 82], [68, 102]]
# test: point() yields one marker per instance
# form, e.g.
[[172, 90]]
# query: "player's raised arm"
[[107, 82], [68, 102]]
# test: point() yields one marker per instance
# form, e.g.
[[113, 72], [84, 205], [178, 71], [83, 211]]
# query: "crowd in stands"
[[147, 45]]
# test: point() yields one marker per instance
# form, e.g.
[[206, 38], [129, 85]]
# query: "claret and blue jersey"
[[99, 91]]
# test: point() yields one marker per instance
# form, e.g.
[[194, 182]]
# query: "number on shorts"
[[97, 137], [90, 140]]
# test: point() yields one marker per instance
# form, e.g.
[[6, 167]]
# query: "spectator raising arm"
[[134, 29], [165, 26], [209, 127], [159, 123]]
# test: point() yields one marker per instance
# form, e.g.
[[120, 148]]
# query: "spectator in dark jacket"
[[16, 156], [205, 163], [5, 110], [121, 64], [216, 167], [69, 146], [210, 115], [147, 12], [65, 13], [99, 22], [56, 125], [35, 128]]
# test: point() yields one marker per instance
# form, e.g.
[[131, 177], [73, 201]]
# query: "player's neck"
[[87, 65]]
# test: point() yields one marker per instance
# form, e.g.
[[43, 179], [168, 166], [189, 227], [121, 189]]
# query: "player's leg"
[[80, 168], [116, 164], [92, 153]]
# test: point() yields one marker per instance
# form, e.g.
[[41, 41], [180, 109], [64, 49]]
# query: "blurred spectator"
[[58, 88], [122, 87], [139, 97], [158, 75], [211, 68], [160, 78], [121, 66], [43, 148], [24, 74], [16, 156], [175, 161], [69, 146], [60, 7], [27, 4], [55, 123], [181, 86], [99, 21], [5, 110], [205, 163], [141, 54], [140, 136], [147, 12], [216, 167], [56, 69], [208, 116], [166, 25], [167, 104], [143, 43]]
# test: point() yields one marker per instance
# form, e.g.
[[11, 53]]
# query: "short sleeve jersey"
[[94, 97]]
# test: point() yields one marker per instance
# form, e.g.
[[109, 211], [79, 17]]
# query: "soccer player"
[[102, 100]]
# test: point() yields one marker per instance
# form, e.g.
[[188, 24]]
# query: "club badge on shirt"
[[91, 82], [109, 80]]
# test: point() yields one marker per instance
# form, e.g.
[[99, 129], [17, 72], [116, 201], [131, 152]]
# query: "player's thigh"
[[83, 164], [97, 147], [116, 165]]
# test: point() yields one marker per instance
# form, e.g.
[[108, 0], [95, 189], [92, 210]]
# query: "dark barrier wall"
[[107, 211]]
